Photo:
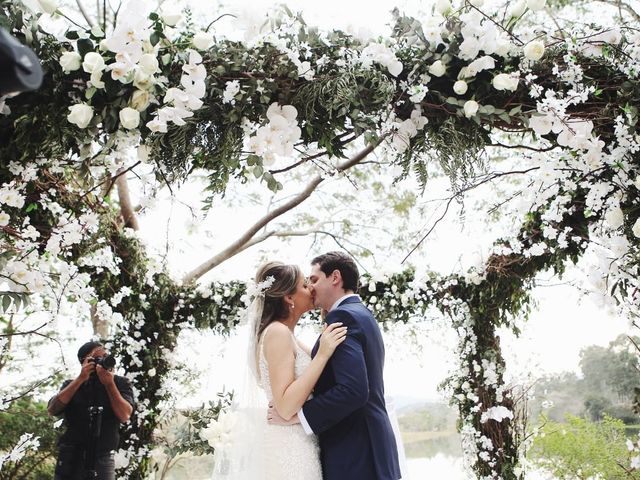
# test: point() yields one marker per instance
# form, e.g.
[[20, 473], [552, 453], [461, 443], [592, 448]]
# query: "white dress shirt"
[[303, 421]]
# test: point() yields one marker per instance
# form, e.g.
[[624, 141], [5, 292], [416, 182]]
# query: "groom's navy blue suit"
[[348, 411]]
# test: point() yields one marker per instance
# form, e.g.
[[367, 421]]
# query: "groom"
[[347, 410]]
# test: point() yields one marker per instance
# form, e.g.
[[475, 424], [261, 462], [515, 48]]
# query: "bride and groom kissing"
[[327, 417]]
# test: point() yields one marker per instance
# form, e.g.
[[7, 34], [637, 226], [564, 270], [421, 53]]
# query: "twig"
[[84, 13], [112, 180], [488, 178]]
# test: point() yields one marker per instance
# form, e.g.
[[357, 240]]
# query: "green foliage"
[[28, 415], [581, 448], [185, 436], [17, 300]]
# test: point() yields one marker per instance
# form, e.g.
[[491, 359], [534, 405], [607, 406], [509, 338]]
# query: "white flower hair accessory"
[[255, 290]]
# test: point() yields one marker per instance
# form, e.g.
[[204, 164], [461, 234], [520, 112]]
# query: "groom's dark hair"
[[344, 263]]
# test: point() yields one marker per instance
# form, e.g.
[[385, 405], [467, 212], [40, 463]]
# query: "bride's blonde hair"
[[285, 282]]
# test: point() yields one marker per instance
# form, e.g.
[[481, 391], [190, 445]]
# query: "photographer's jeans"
[[71, 467]]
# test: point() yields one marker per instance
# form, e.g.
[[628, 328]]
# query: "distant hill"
[[426, 416]]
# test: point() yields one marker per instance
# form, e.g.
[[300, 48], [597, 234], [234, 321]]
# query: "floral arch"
[[184, 100]]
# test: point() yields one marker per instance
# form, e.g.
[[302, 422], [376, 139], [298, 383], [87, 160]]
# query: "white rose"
[[152, 372], [49, 6], [470, 108], [80, 114], [70, 61], [141, 80], [443, 7], [140, 100], [171, 18], [129, 118], [93, 62], [202, 40], [637, 182], [395, 67], [506, 81], [149, 63], [534, 50], [4, 219], [460, 87], [437, 68], [517, 9], [536, 5], [614, 217], [636, 228]]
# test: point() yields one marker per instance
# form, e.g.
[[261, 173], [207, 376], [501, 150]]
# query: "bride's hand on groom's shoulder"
[[332, 336]]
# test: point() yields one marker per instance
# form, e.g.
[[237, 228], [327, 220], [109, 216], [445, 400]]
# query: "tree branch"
[[126, 208], [84, 13], [623, 6], [240, 244]]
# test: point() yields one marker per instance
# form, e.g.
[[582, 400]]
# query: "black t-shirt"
[[76, 414]]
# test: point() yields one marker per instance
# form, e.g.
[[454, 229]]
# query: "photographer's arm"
[[122, 409], [58, 402]]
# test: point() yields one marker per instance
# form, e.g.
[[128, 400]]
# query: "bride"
[[282, 367]]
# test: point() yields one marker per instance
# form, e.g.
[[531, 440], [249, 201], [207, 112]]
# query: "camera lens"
[[109, 362]]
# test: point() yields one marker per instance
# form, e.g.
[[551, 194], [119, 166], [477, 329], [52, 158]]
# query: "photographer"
[[94, 405]]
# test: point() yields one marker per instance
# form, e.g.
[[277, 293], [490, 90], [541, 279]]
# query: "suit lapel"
[[314, 350], [347, 300]]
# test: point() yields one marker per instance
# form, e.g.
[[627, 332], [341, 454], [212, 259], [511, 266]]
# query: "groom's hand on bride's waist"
[[274, 418]]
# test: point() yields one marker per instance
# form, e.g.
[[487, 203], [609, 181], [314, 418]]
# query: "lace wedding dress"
[[290, 452]]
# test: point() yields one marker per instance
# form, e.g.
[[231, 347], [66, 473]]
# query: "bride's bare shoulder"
[[278, 335]]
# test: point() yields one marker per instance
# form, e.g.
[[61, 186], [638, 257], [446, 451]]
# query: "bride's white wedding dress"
[[290, 452]]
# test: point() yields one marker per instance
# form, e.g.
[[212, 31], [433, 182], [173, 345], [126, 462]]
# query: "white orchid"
[[379, 53], [541, 124]]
